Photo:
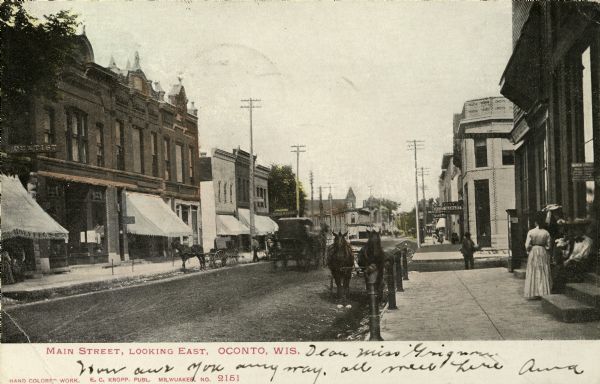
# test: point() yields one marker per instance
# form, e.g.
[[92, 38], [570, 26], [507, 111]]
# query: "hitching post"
[[374, 328], [404, 264], [398, 270], [391, 284]]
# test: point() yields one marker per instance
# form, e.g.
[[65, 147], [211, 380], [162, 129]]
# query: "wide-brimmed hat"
[[551, 207]]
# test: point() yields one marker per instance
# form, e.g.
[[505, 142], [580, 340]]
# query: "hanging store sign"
[[452, 207], [128, 219], [582, 171], [36, 148]]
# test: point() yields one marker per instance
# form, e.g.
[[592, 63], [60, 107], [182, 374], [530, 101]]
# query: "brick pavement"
[[480, 304]]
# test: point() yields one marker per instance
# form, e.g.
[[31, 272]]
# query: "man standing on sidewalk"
[[254, 250], [468, 249]]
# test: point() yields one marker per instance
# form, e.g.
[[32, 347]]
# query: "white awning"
[[22, 216], [153, 217], [262, 224], [230, 226], [441, 223]]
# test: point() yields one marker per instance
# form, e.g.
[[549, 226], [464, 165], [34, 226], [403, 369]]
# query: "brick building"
[[124, 153], [485, 157], [226, 198], [553, 77], [450, 189]]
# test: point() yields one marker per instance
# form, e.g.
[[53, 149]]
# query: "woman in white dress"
[[538, 280]]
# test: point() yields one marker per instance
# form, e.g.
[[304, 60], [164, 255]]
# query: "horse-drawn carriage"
[[224, 253], [297, 245]]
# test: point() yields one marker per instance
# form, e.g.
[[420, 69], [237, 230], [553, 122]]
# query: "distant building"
[[450, 191], [336, 213], [226, 198], [553, 79], [486, 159]]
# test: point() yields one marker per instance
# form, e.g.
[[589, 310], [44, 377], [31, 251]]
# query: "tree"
[[32, 55], [282, 189], [390, 205]]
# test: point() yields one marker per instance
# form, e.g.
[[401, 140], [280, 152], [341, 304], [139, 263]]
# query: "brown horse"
[[340, 261], [372, 260], [186, 252]]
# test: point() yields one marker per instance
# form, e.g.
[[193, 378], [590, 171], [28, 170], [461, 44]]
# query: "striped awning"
[[22, 216], [153, 217], [262, 224], [228, 225]]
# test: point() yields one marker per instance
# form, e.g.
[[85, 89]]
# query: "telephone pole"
[[330, 208], [298, 149], [424, 172], [415, 145], [250, 106], [312, 196]]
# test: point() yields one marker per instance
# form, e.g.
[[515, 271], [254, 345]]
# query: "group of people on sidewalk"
[[13, 267], [558, 252]]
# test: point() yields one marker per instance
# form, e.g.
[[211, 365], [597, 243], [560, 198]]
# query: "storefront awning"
[[441, 223], [153, 217], [22, 216], [230, 226], [262, 224]]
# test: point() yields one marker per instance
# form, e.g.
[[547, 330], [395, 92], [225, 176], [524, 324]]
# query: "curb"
[[28, 297]]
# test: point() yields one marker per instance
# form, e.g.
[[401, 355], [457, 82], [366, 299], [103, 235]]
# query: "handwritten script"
[[318, 361]]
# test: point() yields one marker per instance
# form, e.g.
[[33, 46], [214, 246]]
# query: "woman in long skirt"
[[538, 279]]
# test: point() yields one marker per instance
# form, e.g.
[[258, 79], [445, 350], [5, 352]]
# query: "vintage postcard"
[[300, 192]]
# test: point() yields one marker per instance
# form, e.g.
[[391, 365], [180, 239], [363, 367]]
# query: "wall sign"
[[582, 171], [36, 148]]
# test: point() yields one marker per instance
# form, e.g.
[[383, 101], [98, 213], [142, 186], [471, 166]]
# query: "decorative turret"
[[193, 110], [158, 89], [136, 62], [112, 65], [177, 96]]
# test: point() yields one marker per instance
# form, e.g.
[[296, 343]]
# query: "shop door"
[[482, 213]]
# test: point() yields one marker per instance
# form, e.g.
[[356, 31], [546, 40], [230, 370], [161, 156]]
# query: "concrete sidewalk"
[[479, 304], [101, 276]]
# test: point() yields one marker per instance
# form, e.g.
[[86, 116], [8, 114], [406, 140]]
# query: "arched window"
[[219, 192], [231, 193], [225, 192]]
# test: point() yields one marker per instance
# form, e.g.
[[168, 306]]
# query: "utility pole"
[[298, 149], [312, 196], [424, 171], [330, 197], [415, 145], [250, 106]]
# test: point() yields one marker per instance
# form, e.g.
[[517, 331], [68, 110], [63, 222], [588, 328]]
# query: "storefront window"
[[179, 162], [588, 128], [120, 145], [154, 146], [480, 153], [191, 165], [137, 139], [167, 151], [77, 136], [99, 145], [48, 128]]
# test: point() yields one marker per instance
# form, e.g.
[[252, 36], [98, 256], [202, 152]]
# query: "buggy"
[[296, 245]]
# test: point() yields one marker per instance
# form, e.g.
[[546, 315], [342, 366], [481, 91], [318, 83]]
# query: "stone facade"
[[487, 169], [553, 78]]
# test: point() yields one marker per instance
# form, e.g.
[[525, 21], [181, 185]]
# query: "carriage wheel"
[[213, 259], [222, 256]]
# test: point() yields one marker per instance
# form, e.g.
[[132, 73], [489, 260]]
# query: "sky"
[[352, 81]]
